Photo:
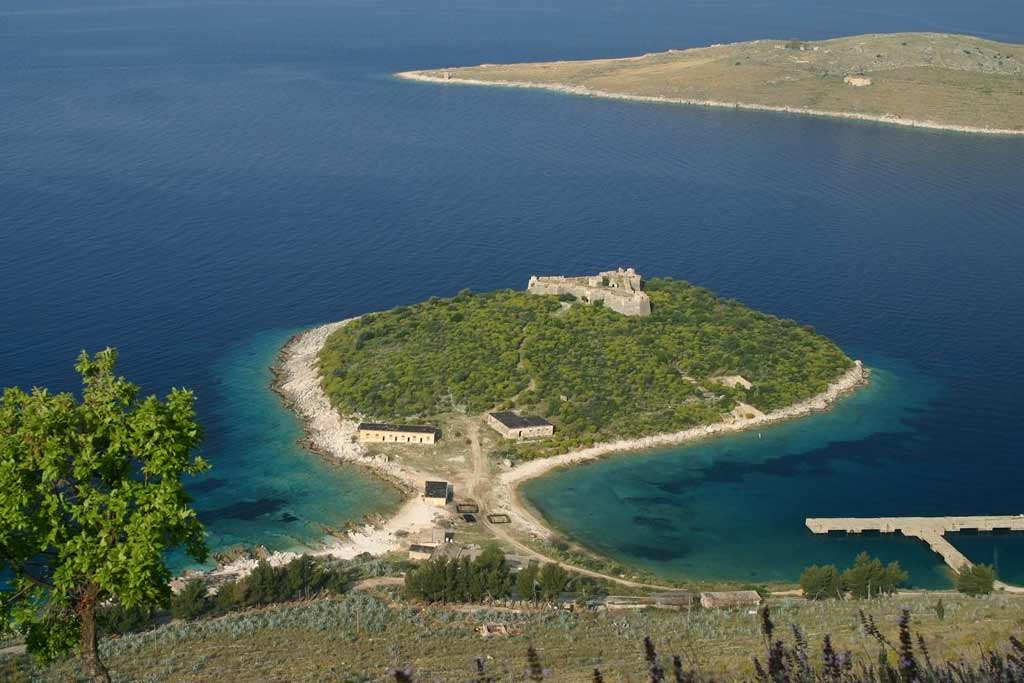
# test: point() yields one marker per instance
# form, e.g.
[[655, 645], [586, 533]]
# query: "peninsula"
[[460, 400], [928, 80]]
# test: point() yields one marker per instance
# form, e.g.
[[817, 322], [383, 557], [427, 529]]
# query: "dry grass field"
[[948, 80], [359, 637]]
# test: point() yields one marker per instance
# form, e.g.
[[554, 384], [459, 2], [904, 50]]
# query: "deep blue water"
[[190, 180]]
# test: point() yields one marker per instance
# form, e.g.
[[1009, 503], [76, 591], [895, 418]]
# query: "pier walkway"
[[931, 530]]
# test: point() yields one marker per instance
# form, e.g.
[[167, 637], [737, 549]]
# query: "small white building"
[[514, 426], [378, 432]]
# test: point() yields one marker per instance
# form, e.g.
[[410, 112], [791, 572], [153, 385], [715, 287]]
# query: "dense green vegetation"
[[867, 578], [487, 577], [594, 373]]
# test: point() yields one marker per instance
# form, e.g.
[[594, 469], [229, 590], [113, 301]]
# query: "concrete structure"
[[514, 426], [437, 493], [857, 81], [733, 381], [377, 432], [420, 552], [676, 601], [928, 529], [729, 599], [621, 290]]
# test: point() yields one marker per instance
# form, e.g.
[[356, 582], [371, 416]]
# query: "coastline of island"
[[578, 90], [329, 434]]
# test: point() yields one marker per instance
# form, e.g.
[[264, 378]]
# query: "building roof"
[[384, 427], [436, 489], [516, 421]]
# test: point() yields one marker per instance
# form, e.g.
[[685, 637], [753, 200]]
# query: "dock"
[[931, 530]]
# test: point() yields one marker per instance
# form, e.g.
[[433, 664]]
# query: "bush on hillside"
[[821, 583], [461, 580], [191, 601], [867, 578], [979, 579]]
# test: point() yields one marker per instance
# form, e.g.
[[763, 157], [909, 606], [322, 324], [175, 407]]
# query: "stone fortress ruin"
[[621, 290]]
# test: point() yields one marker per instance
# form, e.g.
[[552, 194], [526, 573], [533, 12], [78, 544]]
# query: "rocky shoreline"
[[588, 92], [507, 490]]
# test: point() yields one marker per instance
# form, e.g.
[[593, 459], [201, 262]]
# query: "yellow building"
[[375, 432], [514, 426]]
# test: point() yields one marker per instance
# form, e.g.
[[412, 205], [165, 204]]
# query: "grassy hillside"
[[594, 373], [947, 79], [360, 637]]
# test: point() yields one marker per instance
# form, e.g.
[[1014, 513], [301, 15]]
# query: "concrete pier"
[[931, 530]]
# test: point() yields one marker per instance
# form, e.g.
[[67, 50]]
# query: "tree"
[[495, 578], [868, 577], [821, 582], [92, 500], [978, 579], [191, 601], [526, 582], [553, 580]]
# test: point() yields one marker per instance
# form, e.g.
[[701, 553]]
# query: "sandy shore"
[[506, 491], [298, 383], [588, 92]]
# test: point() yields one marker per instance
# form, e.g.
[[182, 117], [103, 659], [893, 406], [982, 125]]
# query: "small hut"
[[729, 599]]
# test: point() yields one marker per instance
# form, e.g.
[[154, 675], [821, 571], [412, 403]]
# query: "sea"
[[193, 181]]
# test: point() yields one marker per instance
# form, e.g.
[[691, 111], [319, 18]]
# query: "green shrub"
[[821, 583], [117, 620], [191, 601], [979, 579], [553, 580], [869, 578]]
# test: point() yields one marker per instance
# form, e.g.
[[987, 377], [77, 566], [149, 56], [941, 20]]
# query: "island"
[[459, 400], [928, 80]]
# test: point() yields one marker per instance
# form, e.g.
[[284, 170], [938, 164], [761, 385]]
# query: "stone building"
[[514, 426], [620, 290], [437, 493], [729, 599], [420, 552], [376, 432]]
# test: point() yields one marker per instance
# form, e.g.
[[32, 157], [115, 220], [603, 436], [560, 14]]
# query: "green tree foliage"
[[869, 578], [979, 579], [526, 582], [92, 500], [461, 580], [821, 582], [553, 580], [594, 373], [191, 601]]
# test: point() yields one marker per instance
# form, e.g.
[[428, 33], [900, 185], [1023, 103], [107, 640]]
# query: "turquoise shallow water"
[[268, 489]]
